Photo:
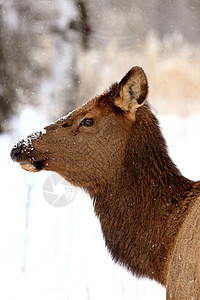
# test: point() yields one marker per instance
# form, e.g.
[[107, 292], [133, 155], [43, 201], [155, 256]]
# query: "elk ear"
[[133, 90]]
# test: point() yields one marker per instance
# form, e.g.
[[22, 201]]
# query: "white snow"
[[59, 253]]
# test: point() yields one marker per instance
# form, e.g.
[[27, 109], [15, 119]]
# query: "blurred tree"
[[39, 42], [82, 24], [20, 76], [7, 95]]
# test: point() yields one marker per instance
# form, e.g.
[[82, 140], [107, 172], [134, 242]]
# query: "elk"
[[113, 148]]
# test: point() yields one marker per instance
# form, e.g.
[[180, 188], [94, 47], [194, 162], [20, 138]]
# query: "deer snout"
[[28, 156], [15, 152]]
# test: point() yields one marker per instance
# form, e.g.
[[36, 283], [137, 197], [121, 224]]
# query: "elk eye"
[[87, 122]]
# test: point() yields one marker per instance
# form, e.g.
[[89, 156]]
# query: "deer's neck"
[[142, 209]]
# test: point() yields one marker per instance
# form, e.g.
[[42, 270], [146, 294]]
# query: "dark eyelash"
[[87, 122]]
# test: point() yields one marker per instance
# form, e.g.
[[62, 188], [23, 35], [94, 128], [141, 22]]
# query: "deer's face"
[[88, 144]]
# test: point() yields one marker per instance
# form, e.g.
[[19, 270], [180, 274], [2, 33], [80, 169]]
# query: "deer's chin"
[[33, 166]]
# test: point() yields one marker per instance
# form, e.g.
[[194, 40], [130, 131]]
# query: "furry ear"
[[133, 90]]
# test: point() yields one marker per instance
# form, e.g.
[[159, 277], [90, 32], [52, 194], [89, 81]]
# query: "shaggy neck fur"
[[142, 209]]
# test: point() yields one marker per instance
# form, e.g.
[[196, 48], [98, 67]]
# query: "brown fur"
[[139, 195], [183, 279]]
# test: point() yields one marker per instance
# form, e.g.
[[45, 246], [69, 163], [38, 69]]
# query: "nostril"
[[15, 152]]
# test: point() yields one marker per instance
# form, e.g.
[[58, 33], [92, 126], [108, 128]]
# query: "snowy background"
[[54, 55]]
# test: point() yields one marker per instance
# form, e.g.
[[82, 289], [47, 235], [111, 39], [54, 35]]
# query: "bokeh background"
[[54, 56]]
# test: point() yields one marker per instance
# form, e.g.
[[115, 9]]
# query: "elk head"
[[86, 147]]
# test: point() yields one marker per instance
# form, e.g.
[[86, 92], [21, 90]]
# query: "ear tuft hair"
[[133, 90]]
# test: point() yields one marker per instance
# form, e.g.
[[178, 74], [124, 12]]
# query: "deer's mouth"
[[34, 166]]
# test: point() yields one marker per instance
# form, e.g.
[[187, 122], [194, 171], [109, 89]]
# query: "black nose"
[[15, 152]]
